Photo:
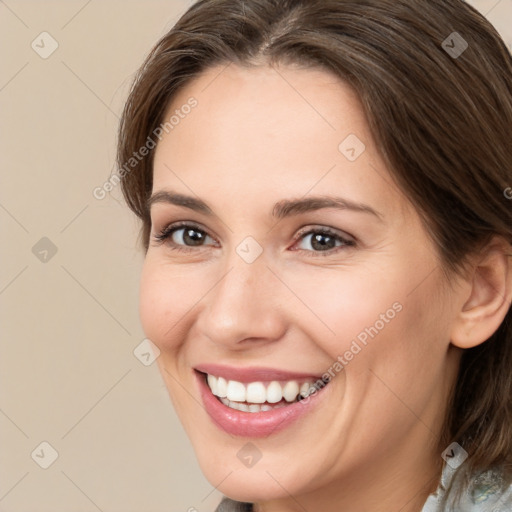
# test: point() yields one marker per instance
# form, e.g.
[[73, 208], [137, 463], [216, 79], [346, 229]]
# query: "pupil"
[[322, 242], [193, 236]]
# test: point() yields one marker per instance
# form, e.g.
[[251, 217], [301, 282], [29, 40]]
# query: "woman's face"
[[293, 257]]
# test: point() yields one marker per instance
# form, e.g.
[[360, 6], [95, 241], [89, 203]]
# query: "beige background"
[[69, 325]]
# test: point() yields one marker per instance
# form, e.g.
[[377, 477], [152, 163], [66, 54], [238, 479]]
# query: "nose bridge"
[[243, 304]]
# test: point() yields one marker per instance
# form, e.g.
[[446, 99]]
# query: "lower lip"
[[254, 424]]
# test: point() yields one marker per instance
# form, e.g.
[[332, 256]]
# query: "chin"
[[249, 484]]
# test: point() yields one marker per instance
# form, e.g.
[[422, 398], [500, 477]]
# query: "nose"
[[243, 306]]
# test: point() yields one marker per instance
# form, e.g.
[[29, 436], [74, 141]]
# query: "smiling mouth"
[[259, 396]]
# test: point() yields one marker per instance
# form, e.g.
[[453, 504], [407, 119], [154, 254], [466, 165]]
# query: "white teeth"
[[212, 382], [304, 389], [274, 393], [236, 391], [290, 391], [222, 387], [249, 408], [233, 393], [256, 393]]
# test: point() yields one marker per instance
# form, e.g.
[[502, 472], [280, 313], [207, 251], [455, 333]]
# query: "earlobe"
[[489, 298]]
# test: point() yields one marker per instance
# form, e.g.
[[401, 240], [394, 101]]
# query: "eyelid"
[[324, 229], [348, 240], [162, 236]]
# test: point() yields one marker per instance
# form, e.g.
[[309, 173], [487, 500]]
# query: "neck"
[[398, 481]]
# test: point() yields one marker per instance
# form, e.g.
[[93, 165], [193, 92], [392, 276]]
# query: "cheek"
[[165, 298], [347, 307], [379, 317]]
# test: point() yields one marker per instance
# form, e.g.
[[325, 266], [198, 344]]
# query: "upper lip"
[[253, 373]]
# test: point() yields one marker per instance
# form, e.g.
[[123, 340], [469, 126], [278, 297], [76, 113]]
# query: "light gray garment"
[[485, 496]]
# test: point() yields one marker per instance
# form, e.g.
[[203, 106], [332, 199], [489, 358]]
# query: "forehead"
[[272, 132], [267, 102]]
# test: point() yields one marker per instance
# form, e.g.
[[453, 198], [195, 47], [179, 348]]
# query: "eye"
[[323, 241], [316, 241], [183, 236]]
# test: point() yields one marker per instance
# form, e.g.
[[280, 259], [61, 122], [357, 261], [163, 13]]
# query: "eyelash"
[[168, 231]]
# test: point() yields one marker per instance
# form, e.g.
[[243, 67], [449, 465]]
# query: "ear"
[[490, 294]]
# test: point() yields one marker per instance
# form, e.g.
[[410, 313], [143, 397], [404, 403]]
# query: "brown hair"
[[441, 121]]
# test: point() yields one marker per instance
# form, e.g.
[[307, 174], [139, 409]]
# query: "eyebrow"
[[282, 209]]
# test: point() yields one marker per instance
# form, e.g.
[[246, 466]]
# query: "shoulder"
[[487, 493]]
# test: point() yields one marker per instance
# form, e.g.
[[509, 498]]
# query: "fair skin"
[[370, 441]]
